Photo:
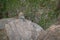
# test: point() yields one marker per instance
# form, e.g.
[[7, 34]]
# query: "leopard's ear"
[[21, 15]]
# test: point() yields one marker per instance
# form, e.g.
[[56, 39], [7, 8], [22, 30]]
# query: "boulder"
[[22, 29], [3, 35], [53, 33], [42, 35], [4, 21]]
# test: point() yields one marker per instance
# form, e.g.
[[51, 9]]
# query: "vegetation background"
[[42, 12]]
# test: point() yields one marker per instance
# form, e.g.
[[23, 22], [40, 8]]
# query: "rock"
[[3, 22], [42, 35], [53, 33], [19, 29], [3, 35]]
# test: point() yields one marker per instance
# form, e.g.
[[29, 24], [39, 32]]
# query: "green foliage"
[[31, 8], [2, 8], [47, 19]]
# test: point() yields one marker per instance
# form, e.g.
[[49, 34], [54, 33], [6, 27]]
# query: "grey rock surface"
[[3, 22], [19, 29]]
